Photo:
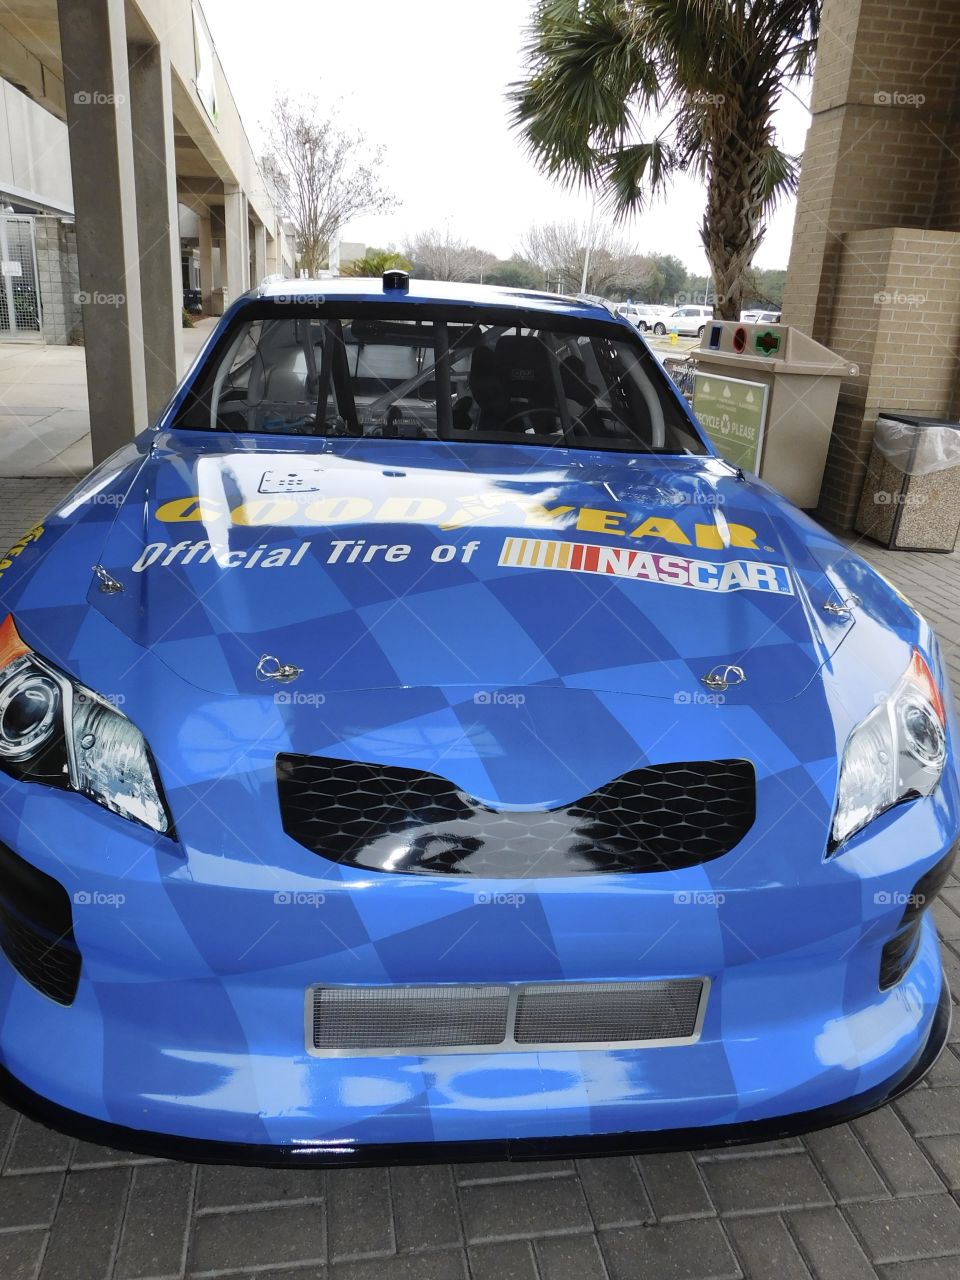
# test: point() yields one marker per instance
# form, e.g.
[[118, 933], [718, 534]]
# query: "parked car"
[[688, 322], [642, 316], [449, 756], [760, 317]]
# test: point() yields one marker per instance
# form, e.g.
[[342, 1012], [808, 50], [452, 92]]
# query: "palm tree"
[[710, 71], [375, 262]]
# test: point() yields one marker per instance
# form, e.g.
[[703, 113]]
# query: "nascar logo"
[[646, 566]]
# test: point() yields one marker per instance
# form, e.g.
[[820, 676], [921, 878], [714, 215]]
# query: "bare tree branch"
[[559, 250], [437, 255], [323, 175]]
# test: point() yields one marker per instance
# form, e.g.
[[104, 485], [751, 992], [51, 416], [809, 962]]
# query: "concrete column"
[[206, 262], [154, 163], [273, 255], [93, 40], [247, 261], [234, 244], [218, 231], [260, 267]]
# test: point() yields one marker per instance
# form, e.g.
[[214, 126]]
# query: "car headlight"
[[897, 753], [57, 731]]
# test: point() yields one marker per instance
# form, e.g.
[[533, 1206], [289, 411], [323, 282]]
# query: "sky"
[[426, 81]]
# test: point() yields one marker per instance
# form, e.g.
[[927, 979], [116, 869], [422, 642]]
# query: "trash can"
[[219, 300], [766, 395], [911, 495]]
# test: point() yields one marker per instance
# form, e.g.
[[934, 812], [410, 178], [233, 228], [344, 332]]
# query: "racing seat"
[[578, 388], [485, 408], [525, 371]]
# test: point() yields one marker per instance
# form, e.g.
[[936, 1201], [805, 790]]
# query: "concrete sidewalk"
[[44, 422]]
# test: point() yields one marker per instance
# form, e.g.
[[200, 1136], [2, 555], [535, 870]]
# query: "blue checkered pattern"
[[527, 689]]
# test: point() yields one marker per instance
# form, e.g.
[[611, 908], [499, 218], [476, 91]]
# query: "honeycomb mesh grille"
[[402, 1017], [432, 1019], [608, 1011], [386, 818]]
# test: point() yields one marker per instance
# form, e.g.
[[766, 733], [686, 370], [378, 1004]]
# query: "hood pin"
[[108, 584], [722, 677], [842, 608], [271, 668]]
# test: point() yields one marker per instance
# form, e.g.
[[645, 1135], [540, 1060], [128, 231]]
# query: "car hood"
[[391, 564]]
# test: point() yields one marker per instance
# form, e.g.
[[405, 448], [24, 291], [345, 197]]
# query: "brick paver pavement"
[[878, 1197]]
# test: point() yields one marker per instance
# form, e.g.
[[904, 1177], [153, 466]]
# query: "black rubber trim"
[[336, 1155]]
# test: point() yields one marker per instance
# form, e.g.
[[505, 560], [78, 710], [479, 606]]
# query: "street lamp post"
[[586, 256]]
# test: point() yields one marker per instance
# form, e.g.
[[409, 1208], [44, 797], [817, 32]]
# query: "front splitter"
[[337, 1154]]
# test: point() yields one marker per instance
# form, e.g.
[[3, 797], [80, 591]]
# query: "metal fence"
[[19, 291]]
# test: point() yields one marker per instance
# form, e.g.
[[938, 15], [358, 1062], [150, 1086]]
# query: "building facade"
[[125, 171], [875, 264]]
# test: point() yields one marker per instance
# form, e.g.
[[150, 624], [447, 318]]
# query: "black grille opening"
[[36, 928], [386, 818], [899, 953]]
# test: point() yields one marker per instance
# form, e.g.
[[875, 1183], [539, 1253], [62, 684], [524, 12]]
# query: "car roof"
[[427, 291]]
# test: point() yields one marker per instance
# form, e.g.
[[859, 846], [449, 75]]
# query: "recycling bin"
[[766, 395], [911, 494]]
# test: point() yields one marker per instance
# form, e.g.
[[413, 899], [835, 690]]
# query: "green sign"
[[767, 343], [733, 413]]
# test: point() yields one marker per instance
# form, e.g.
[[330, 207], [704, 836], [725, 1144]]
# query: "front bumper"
[[186, 1036], [344, 1152]]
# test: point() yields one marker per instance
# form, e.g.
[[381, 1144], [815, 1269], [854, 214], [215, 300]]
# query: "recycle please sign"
[[733, 414]]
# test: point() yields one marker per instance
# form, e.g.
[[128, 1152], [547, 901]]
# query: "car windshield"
[[487, 375]]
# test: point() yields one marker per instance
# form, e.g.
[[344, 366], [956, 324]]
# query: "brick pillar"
[[880, 155]]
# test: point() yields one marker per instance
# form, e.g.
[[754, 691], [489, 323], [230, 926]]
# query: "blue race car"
[[420, 745]]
